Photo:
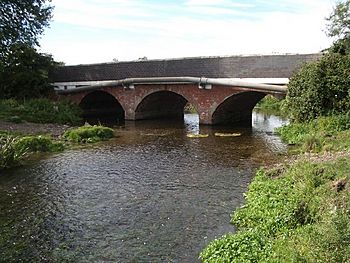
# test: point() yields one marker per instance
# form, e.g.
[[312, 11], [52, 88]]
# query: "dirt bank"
[[29, 128]]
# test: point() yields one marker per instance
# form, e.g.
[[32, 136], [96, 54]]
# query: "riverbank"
[[297, 210], [30, 128]]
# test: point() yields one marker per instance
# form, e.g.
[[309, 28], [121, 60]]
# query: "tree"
[[23, 71], [26, 73], [22, 22], [339, 27]]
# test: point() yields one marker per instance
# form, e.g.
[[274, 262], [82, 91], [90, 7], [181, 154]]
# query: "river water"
[[150, 195]]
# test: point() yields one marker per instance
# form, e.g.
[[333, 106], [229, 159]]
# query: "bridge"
[[223, 90]]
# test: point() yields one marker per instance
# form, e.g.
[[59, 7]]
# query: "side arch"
[[237, 109], [102, 107], [161, 104]]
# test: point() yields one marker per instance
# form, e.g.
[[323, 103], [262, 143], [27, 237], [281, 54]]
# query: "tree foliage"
[[22, 21], [339, 21], [23, 71], [320, 88], [339, 27]]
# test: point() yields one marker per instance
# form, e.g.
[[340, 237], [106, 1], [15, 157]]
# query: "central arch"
[[101, 107], [161, 104], [237, 109]]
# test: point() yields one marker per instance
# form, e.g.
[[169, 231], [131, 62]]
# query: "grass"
[[40, 111], [9, 155], [331, 133], [88, 134], [300, 213]]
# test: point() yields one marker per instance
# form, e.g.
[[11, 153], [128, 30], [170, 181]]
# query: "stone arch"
[[161, 104], [237, 109], [101, 107]]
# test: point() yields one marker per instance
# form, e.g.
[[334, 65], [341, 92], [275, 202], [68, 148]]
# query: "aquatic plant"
[[88, 134], [38, 144], [9, 155]]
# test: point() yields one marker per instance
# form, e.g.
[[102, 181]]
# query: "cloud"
[[97, 31], [211, 3]]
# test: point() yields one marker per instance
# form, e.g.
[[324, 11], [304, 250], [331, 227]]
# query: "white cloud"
[[131, 29], [212, 3]]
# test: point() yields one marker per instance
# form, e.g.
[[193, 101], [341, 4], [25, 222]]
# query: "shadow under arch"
[[102, 107], [161, 104], [237, 109]]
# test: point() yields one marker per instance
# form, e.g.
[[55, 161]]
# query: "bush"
[[40, 111], [9, 155], [320, 88], [38, 144], [89, 134]]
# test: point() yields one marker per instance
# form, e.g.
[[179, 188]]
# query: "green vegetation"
[[339, 27], [9, 155], [87, 134], [38, 144], [271, 104], [40, 111], [325, 129], [24, 72], [13, 149], [189, 108], [320, 88], [297, 213]]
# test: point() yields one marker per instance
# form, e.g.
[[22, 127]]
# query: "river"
[[150, 195]]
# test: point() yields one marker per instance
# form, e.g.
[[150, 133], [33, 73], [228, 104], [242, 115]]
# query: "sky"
[[95, 31]]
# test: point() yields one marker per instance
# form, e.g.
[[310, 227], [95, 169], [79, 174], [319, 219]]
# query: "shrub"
[[320, 88], [40, 111], [89, 134], [38, 144]]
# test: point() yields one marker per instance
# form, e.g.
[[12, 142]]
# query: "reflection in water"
[[150, 195]]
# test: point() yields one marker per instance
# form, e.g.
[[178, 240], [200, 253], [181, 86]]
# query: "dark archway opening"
[[237, 109], [161, 104], [102, 107]]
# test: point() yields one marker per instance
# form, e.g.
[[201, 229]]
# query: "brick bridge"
[[150, 89]]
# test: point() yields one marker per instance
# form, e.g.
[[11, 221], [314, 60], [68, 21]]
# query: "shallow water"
[[150, 195]]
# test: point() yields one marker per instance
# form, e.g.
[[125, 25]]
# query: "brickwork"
[[213, 105]]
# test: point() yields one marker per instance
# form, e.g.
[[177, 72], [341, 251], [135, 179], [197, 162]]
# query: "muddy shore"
[[28, 128]]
